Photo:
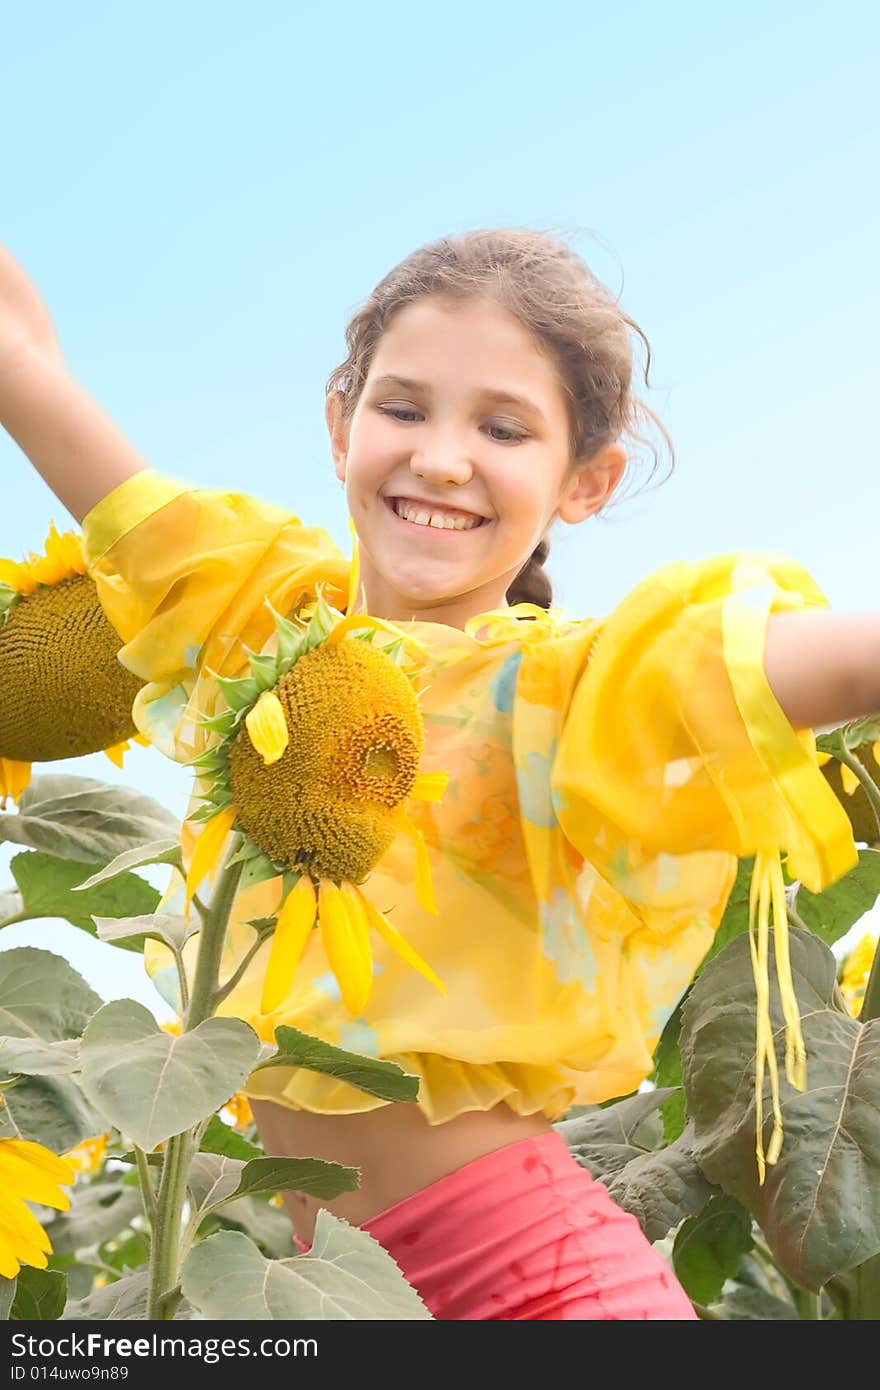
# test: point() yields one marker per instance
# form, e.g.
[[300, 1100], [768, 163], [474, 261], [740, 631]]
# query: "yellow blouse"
[[603, 778]]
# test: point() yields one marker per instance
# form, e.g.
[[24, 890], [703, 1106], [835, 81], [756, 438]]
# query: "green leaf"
[[266, 1225], [377, 1078], [819, 1207], [101, 1211], [220, 1138], [831, 914], [175, 931], [214, 1179], [604, 1140], [84, 819], [151, 1085], [667, 1073], [735, 921], [7, 1294], [165, 851], [33, 1057], [48, 1110], [41, 996], [258, 868], [47, 889], [125, 1301], [40, 1295], [345, 1275], [708, 1248]]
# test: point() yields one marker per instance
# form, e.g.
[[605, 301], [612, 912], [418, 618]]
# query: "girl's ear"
[[338, 432], [592, 484]]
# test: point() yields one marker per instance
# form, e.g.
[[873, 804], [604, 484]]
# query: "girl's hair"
[[571, 315]]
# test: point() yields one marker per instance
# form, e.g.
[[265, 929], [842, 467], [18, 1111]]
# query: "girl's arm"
[[76, 449], [824, 668]]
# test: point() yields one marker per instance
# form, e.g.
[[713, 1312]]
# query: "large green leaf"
[[214, 1179], [346, 1275], [820, 1204], [266, 1225], [160, 926], [377, 1078], [101, 1210], [219, 1138], [124, 1301], [831, 914], [164, 851], [41, 996], [40, 1295], [82, 818], [709, 1246], [46, 885], [48, 1110], [151, 1085], [618, 1145], [33, 1057]]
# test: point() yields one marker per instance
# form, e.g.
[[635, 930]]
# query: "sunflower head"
[[313, 762], [62, 691]]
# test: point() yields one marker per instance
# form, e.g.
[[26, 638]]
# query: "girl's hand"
[[25, 325]]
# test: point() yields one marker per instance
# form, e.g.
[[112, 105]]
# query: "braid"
[[532, 584]]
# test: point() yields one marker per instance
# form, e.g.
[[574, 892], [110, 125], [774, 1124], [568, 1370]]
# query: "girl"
[[603, 776]]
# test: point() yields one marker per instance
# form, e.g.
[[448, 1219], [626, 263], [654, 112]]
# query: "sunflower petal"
[[267, 728], [849, 780], [14, 778], [116, 752], [392, 937], [207, 850], [430, 786], [354, 574], [292, 930], [423, 885], [344, 947]]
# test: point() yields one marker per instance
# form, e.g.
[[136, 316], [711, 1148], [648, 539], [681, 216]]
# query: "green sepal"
[[854, 734], [321, 624], [213, 761], [264, 671], [206, 813], [257, 870], [246, 850], [8, 599], [394, 650], [223, 724], [239, 694], [290, 641], [263, 926]]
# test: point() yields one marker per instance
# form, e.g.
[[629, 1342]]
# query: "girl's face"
[[457, 459]]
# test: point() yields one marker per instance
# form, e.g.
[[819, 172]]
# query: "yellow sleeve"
[[673, 740], [183, 574]]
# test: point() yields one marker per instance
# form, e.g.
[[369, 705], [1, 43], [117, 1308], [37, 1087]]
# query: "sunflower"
[[313, 762], [62, 691], [855, 971], [28, 1173]]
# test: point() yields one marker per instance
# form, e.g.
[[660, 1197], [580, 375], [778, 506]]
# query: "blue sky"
[[205, 193]]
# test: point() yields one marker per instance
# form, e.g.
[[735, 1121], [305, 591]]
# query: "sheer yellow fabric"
[[603, 777]]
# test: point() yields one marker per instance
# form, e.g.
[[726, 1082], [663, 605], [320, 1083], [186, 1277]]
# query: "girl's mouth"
[[424, 514]]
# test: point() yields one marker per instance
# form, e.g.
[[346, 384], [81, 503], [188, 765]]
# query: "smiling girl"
[[603, 775]]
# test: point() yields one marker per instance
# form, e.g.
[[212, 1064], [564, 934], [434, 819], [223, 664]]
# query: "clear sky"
[[204, 193]]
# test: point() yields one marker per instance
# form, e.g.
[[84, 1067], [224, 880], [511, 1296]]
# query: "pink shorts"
[[526, 1234]]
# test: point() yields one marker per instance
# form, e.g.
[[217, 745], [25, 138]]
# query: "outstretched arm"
[[75, 448], [824, 668]]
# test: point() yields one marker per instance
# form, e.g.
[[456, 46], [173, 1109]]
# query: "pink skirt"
[[526, 1234]]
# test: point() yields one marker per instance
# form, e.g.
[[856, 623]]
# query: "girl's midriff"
[[396, 1149]]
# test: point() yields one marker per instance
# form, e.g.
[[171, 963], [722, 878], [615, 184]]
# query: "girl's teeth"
[[442, 521]]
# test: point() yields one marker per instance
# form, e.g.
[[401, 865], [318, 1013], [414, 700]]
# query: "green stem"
[[213, 933], [221, 993], [872, 791], [146, 1184], [165, 1254]]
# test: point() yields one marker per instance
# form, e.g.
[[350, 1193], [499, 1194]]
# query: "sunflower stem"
[[223, 990], [872, 791], [167, 1216], [146, 1184]]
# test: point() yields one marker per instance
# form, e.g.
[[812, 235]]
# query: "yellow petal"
[[141, 739], [208, 849], [392, 937], [423, 884], [88, 1156], [292, 930], [430, 786], [354, 574], [267, 728], [344, 946], [16, 577], [14, 778], [116, 752], [848, 779], [822, 758]]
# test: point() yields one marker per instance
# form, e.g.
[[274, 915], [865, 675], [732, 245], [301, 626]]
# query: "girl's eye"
[[408, 415]]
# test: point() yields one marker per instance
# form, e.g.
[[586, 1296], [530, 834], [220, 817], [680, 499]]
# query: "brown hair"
[[572, 316]]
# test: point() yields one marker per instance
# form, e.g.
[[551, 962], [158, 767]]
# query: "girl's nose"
[[442, 465]]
